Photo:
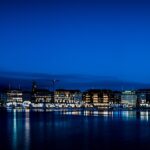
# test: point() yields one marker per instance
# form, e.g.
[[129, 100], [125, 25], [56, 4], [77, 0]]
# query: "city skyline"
[[74, 74], [15, 80]]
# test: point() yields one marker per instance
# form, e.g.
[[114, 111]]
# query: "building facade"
[[41, 96], [98, 97], [143, 97], [129, 99], [14, 98], [67, 96]]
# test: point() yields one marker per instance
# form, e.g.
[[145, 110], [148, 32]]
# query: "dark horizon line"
[[66, 81]]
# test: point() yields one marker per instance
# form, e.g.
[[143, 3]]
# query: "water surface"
[[82, 130]]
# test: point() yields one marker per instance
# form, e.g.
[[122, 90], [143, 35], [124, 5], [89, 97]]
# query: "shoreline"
[[79, 109]]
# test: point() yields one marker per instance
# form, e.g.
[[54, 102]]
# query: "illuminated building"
[[42, 96], [98, 97], [86, 97], [67, 96], [14, 98], [129, 99], [143, 97]]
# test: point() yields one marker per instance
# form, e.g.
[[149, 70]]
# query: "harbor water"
[[74, 130]]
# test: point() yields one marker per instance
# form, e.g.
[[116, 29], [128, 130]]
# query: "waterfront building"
[[67, 96], [42, 96], [129, 99], [14, 98], [98, 97], [143, 96], [86, 96]]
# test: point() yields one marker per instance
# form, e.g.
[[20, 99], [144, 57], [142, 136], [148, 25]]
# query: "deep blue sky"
[[103, 38]]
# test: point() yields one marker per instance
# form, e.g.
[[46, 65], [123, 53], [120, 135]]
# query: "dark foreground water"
[[74, 131]]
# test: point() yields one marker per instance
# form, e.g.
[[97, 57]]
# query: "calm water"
[[77, 130]]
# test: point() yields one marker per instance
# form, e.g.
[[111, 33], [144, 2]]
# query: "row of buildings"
[[75, 98]]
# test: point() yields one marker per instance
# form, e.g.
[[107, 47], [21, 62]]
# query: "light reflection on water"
[[27, 129], [39, 129], [14, 130], [17, 125], [143, 115]]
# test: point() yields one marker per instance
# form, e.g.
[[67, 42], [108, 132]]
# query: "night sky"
[[98, 38]]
